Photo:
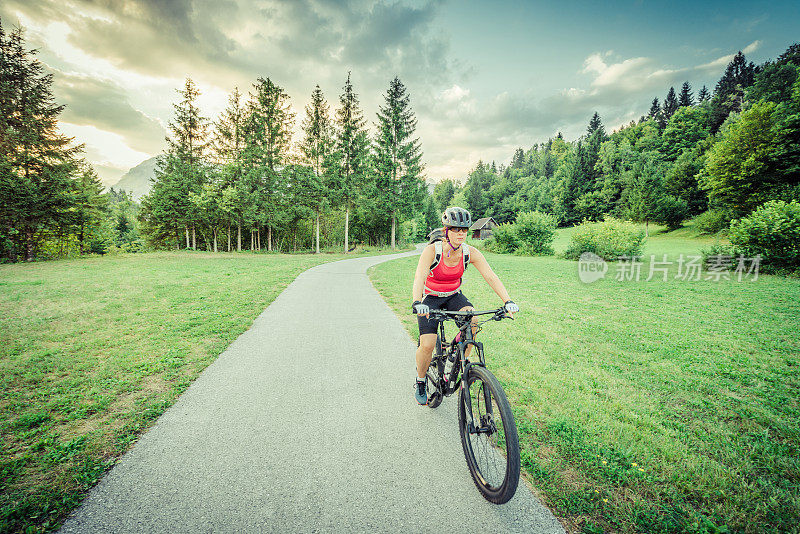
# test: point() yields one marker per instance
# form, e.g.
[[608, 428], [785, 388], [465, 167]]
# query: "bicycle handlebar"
[[444, 315]]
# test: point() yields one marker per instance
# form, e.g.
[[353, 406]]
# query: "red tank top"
[[444, 278]]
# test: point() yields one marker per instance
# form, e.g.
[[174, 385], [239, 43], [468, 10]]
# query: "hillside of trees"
[[720, 155], [240, 181]]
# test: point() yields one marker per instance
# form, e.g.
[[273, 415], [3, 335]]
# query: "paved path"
[[306, 423]]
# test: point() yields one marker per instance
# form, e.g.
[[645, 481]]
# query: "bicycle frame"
[[464, 364]]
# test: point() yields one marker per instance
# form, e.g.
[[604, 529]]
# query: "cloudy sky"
[[484, 77]]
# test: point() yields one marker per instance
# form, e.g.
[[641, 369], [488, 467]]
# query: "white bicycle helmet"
[[458, 217]]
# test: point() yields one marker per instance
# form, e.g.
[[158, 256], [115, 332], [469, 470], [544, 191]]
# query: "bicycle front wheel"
[[433, 377], [489, 438]]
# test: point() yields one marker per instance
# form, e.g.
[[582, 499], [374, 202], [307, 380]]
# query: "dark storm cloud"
[[105, 105]]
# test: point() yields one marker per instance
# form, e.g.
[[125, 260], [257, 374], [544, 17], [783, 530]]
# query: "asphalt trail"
[[306, 423]]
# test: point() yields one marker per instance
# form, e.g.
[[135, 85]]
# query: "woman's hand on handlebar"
[[510, 308], [420, 309]]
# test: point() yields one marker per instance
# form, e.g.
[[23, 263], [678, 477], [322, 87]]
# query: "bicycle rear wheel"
[[491, 443]]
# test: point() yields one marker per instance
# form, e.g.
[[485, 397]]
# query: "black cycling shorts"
[[454, 302]]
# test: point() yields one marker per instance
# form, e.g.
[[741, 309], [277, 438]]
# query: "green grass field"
[[660, 406], [93, 350]]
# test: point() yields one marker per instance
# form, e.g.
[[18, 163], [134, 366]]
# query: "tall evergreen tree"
[[595, 124], [229, 142], [398, 155], [317, 147], [518, 160], [686, 98], [655, 109], [703, 95], [36, 161], [269, 136], [186, 147], [729, 91], [229, 131], [352, 147], [443, 194], [791, 55], [91, 205], [670, 104]]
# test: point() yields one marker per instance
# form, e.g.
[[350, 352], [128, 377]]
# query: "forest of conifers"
[[240, 181]]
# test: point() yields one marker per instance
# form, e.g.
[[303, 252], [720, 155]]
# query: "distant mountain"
[[137, 180]]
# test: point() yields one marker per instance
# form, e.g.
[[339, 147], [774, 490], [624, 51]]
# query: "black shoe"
[[420, 393]]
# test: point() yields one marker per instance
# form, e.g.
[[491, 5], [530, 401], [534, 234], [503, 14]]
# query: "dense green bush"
[[773, 231], [137, 245], [721, 250], [99, 244], [672, 211], [608, 239], [711, 222], [504, 239], [535, 233]]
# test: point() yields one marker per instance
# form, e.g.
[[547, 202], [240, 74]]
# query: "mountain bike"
[[488, 431]]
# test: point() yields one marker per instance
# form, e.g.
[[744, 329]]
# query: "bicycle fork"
[[467, 397]]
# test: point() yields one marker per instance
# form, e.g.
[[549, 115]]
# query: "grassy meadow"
[[93, 350], [660, 406]]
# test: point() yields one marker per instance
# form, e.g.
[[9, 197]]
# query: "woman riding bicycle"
[[437, 285]]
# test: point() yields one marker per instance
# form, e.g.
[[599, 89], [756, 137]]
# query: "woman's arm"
[[476, 258], [423, 268]]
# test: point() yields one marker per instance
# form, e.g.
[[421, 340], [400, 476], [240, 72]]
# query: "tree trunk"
[[194, 238], [187, 238], [229, 237], [269, 238], [346, 228], [80, 237], [239, 242], [215, 239], [28, 245], [317, 232], [646, 234], [394, 223], [252, 240]]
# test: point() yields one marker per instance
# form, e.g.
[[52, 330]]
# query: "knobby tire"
[[487, 454]]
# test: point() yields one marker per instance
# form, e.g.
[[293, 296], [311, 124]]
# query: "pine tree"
[[228, 145], [269, 128], [229, 131], [729, 91], [269, 136], [670, 104], [187, 145], [703, 95], [91, 205], [317, 147], [352, 147], [443, 194], [189, 129], [737, 73], [595, 124], [791, 55], [686, 98], [655, 109], [398, 154], [518, 160], [37, 163]]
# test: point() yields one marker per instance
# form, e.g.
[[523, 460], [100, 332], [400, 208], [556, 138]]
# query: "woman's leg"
[[427, 343]]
